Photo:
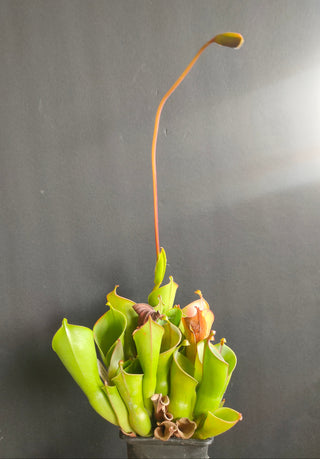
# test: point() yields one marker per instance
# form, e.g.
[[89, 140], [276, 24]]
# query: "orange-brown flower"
[[197, 319]]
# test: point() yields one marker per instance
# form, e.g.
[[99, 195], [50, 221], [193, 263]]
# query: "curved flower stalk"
[[160, 374], [229, 39]]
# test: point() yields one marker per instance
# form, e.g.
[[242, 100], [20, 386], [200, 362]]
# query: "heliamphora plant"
[[159, 372]]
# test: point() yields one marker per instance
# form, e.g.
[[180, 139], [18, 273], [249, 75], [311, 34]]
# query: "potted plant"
[[159, 376]]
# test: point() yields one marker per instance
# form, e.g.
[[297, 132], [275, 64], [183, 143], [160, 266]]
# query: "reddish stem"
[[154, 142], [229, 39]]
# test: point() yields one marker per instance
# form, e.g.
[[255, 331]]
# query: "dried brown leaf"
[[165, 430], [145, 311], [185, 428]]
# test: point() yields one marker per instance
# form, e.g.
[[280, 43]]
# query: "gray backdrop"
[[239, 176]]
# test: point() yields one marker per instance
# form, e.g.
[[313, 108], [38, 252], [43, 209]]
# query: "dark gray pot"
[[174, 448]]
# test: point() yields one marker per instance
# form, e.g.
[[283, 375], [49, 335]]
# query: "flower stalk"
[[229, 39]]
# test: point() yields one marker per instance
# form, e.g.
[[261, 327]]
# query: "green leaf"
[[230, 357], [119, 408], [107, 330], [170, 341], [171, 337], [198, 363], [133, 366], [125, 306], [213, 382], [167, 293], [182, 387], [214, 424], [116, 357], [160, 268], [130, 388], [75, 347], [148, 343], [175, 315]]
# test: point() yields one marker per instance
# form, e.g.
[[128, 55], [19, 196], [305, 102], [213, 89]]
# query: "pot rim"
[[170, 441]]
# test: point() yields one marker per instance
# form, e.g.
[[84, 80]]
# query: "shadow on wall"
[[257, 264]]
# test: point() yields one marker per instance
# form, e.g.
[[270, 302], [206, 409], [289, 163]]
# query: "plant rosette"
[[159, 373]]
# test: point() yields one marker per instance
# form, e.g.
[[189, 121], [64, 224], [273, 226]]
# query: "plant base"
[[151, 448]]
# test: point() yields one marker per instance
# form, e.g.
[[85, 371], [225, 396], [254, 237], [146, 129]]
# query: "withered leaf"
[[186, 428], [145, 311], [160, 404], [165, 430]]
